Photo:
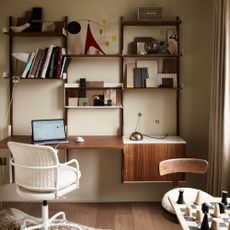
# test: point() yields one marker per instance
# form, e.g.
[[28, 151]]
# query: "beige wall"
[[101, 169]]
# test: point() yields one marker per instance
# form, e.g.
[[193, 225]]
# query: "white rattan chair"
[[40, 176]]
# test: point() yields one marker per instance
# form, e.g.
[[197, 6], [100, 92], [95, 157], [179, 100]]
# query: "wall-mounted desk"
[[91, 142]]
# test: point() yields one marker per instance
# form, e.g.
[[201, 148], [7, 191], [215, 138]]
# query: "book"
[[51, 67], [130, 75], [47, 61], [61, 52], [42, 62], [65, 66], [137, 77], [151, 65], [55, 61], [35, 63], [140, 76], [28, 65]]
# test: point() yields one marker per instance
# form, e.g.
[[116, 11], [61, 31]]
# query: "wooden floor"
[[116, 216]]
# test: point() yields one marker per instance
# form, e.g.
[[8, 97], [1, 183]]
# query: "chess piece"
[[198, 198], [222, 207], [224, 197], [19, 29], [215, 224], [181, 197], [204, 224], [228, 225], [205, 207], [188, 211], [216, 212], [199, 216]]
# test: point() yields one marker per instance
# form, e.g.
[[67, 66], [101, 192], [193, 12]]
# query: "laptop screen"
[[48, 130]]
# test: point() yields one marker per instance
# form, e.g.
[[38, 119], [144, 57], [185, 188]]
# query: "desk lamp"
[[136, 135]]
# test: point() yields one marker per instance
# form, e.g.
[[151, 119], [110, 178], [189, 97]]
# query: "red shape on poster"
[[90, 41]]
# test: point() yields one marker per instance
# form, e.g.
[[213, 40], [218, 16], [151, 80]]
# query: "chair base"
[[45, 223]]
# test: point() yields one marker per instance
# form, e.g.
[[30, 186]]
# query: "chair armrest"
[[31, 167], [74, 162]]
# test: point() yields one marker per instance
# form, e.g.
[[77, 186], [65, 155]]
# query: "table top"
[[91, 142], [156, 139], [189, 223]]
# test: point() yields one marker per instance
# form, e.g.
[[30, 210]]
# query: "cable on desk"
[[154, 137]]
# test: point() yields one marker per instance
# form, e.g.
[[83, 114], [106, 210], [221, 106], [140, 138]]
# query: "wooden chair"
[[182, 165]]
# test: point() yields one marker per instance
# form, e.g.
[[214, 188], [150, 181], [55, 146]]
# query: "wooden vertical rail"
[[121, 72], [10, 76], [65, 45], [178, 77]]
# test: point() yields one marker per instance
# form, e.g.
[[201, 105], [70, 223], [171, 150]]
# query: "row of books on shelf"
[[49, 62], [139, 77]]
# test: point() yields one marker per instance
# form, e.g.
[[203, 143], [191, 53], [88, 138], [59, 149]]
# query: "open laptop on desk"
[[48, 131]]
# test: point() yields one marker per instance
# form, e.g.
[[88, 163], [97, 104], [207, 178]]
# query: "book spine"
[[39, 64], [62, 66], [47, 61], [137, 77], [35, 63], [68, 60], [59, 62], [43, 59], [50, 70], [28, 65]]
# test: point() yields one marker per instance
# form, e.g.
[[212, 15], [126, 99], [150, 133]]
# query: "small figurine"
[[19, 29]]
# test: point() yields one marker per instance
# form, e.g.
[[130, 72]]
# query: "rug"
[[12, 219]]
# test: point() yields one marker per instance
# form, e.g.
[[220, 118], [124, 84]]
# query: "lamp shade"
[[21, 56]]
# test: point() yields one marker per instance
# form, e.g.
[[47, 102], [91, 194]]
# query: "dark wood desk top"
[[91, 142]]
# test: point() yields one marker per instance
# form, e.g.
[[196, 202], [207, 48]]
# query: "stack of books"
[[49, 62]]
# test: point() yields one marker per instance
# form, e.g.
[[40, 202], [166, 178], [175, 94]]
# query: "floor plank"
[[116, 216]]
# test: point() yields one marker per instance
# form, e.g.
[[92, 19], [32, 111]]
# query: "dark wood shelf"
[[152, 88], [93, 55], [151, 55], [151, 23], [35, 34]]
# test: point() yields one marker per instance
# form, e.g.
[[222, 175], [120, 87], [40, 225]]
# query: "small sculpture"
[[172, 44], [19, 29]]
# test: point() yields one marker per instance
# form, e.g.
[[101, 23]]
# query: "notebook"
[[48, 131]]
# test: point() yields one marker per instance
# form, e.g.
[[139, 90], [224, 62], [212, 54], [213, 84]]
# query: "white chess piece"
[[199, 215], [19, 29], [198, 198], [215, 224], [188, 211], [216, 211]]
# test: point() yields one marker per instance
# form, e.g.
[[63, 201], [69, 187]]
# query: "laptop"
[[48, 131]]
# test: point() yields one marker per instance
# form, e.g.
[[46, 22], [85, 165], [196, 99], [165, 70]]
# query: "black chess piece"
[[205, 207], [181, 197], [222, 207], [204, 224], [224, 197]]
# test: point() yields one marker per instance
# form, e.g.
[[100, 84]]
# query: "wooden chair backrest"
[[182, 165]]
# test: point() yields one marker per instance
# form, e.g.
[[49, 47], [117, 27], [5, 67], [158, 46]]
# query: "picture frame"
[[140, 44]]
